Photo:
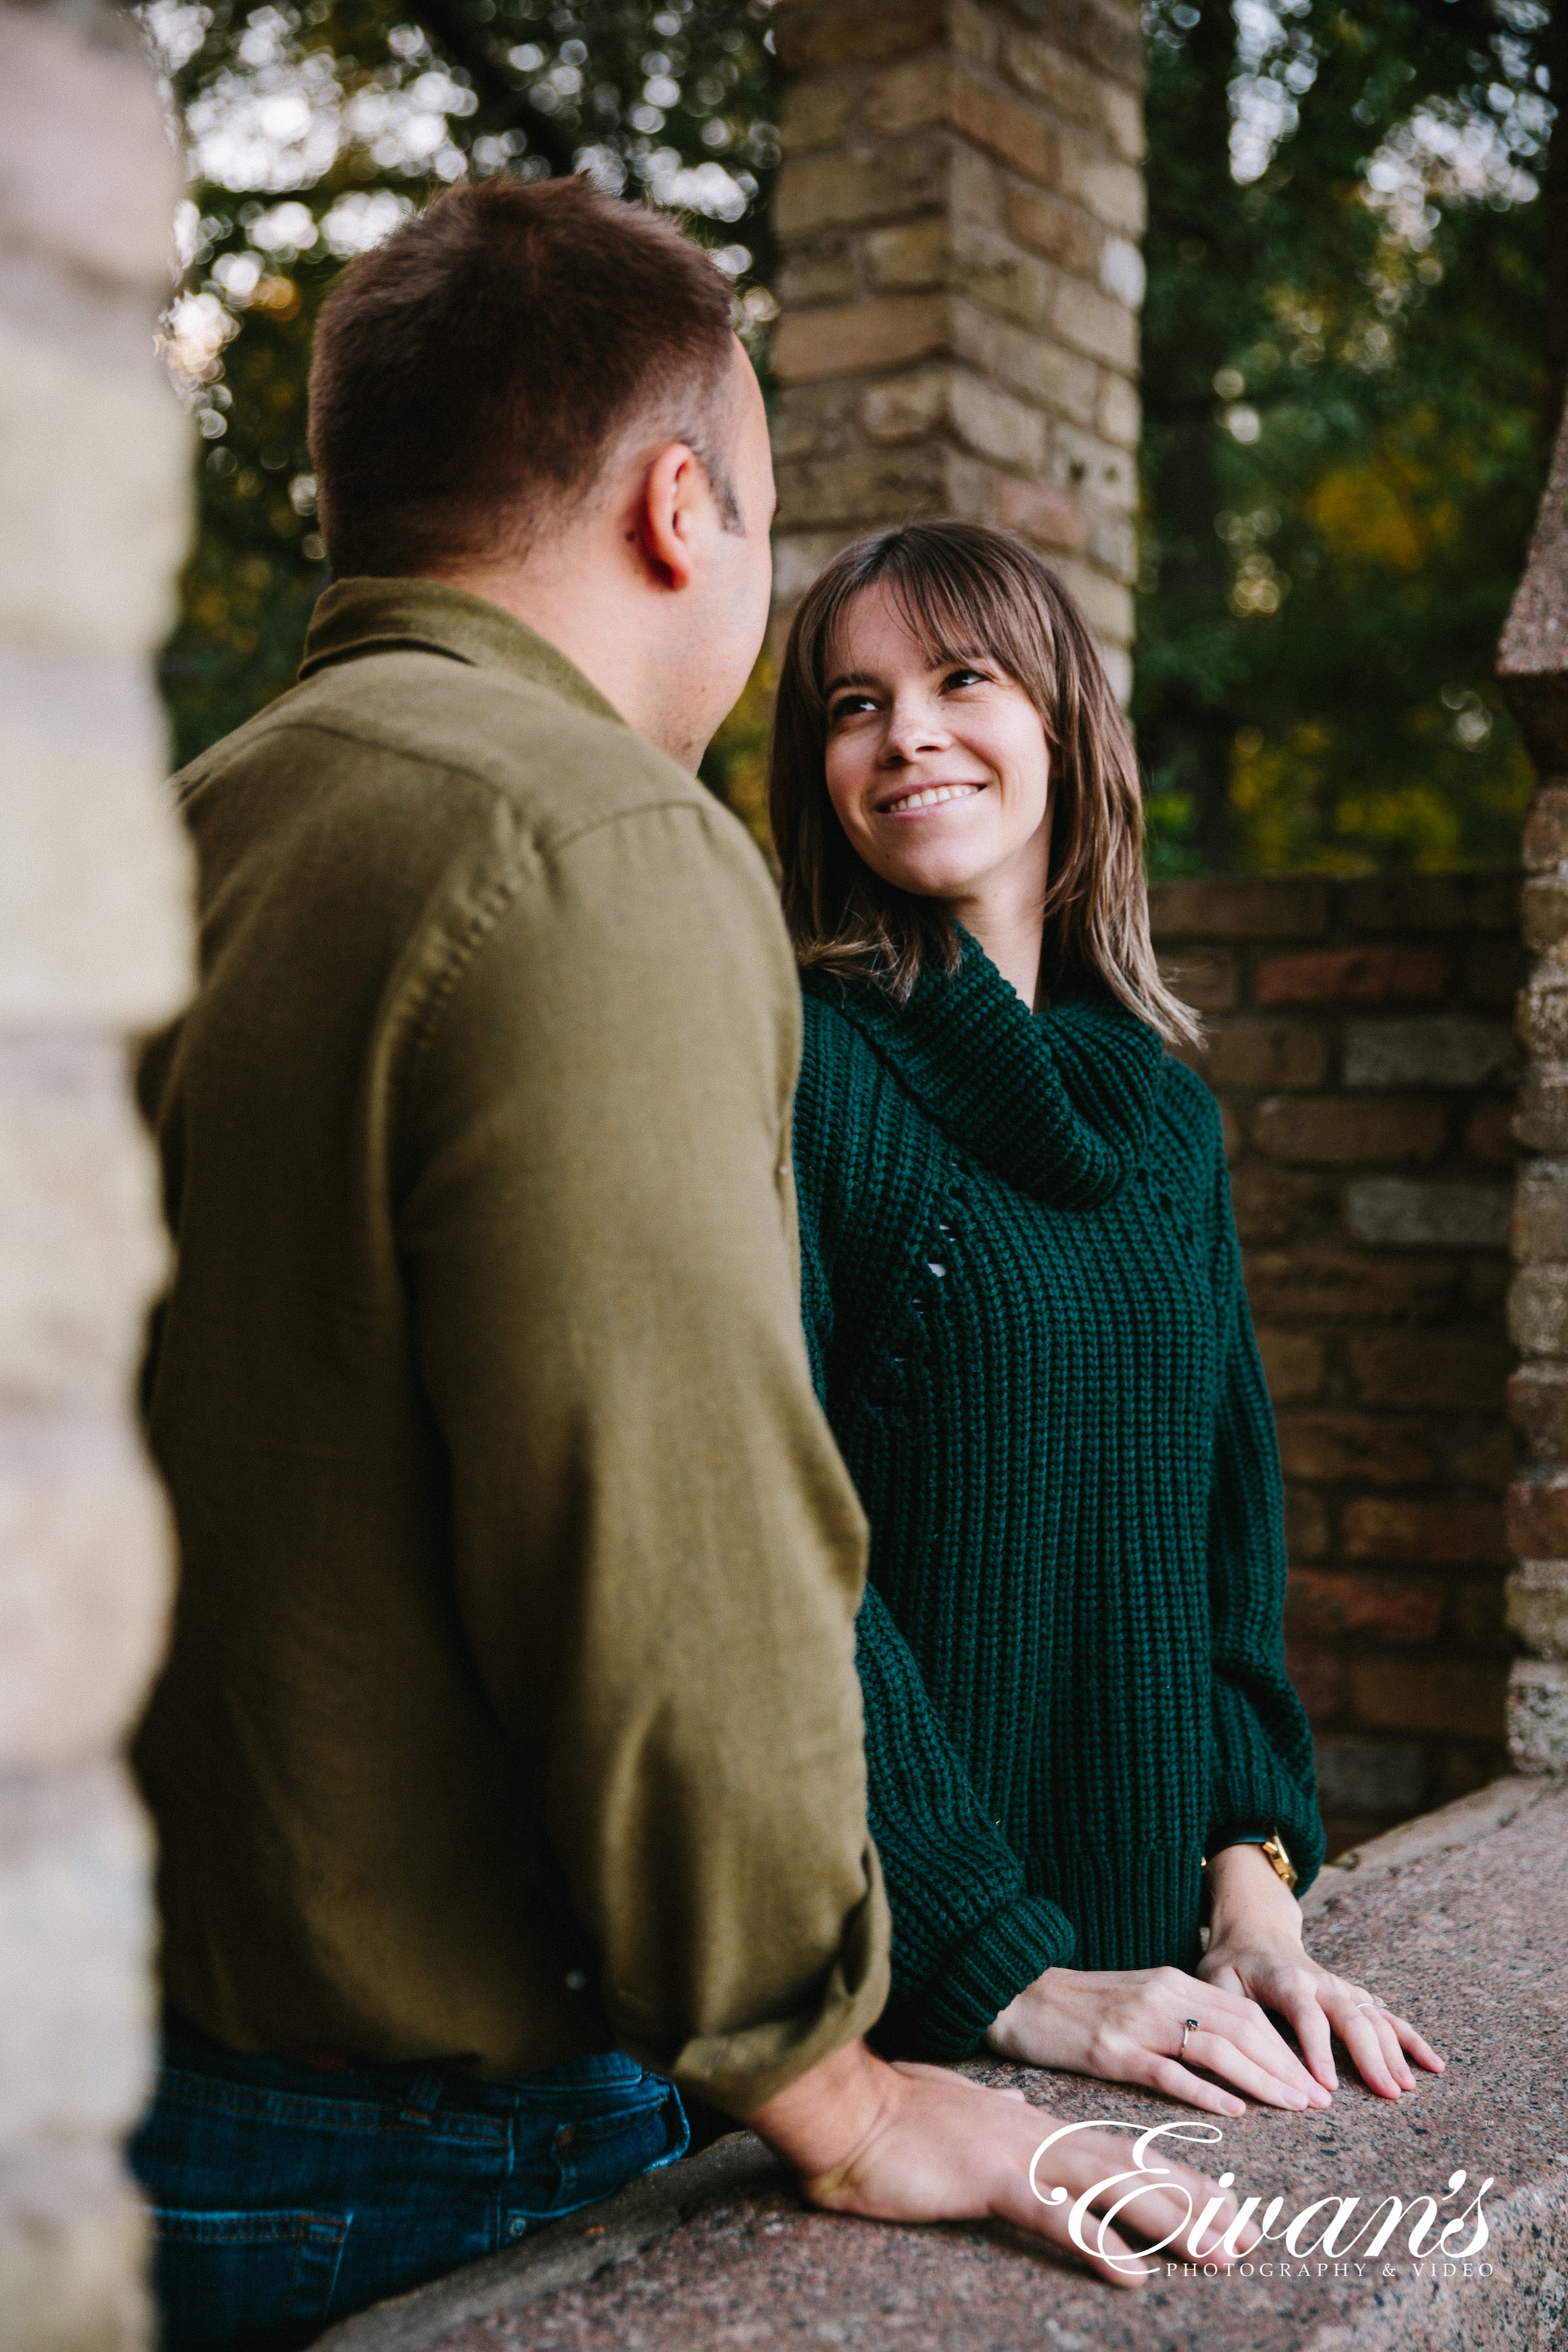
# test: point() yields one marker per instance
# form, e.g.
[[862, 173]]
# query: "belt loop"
[[422, 2099]]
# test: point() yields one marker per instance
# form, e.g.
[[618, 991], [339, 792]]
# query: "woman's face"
[[940, 777]]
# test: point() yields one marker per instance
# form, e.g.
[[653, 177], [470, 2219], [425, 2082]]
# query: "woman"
[[1024, 1307]]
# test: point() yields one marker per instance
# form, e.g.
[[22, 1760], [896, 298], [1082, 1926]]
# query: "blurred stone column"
[[1532, 666], [958, 219], [93, 945]]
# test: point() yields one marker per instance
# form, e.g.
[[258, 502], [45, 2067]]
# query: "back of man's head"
[[472, 375]]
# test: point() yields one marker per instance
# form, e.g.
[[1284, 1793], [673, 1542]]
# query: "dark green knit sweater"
[[1024, 1303]]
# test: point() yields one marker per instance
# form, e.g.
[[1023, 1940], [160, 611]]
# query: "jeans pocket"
[[593, 2154], [246, 2282]]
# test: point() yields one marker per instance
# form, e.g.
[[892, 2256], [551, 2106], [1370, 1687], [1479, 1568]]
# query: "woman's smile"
[[914, 799]]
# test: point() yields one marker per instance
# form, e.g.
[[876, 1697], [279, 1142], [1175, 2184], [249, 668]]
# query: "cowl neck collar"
[[1059, 1104]]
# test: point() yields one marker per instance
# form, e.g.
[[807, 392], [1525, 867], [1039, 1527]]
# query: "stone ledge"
[[1464, 1821], [1459, 1920]]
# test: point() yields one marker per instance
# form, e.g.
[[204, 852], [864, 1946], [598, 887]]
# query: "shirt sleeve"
[[658, 1555], [1263, 1776], [967, 1936]]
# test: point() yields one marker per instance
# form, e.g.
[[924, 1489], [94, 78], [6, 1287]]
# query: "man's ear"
[[668, 512]]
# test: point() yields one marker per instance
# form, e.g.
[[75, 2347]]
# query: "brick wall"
[[1361, 1045]]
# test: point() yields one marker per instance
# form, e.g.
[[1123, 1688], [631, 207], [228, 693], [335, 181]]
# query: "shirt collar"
[[356, 617]]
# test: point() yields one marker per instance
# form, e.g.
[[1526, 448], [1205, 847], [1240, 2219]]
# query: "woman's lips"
[[926, 796]]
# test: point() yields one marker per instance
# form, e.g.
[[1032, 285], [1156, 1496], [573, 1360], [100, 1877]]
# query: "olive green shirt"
[[511, 1709]]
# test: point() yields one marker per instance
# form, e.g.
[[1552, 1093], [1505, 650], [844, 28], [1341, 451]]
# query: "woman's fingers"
[[1169, 2075], [1218, 2054], [1296, 1998], [1412, 2044], [1317, 2006], [1262, 2041], [1233, 2039], [1358, 2030]]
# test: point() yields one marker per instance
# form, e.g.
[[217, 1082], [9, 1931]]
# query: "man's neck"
[[574, 608]]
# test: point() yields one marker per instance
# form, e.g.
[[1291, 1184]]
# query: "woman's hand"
[[1128, 2026], [1255, 1948]]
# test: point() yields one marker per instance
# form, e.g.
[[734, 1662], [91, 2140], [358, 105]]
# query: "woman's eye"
[[850, 707], [961, 678]]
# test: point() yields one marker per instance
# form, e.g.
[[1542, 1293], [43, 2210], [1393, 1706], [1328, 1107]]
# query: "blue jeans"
[[288, 2195]]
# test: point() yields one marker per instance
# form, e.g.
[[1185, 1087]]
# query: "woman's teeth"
[[931, 795]]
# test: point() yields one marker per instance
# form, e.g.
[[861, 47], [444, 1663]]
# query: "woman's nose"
[[912, 730]]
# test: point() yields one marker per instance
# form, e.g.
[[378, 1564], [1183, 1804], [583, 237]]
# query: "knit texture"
[[1026, 1315]]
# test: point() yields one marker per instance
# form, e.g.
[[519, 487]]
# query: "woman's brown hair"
[[964, 591]]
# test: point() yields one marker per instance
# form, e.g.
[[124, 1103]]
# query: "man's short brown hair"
[[471, 376]]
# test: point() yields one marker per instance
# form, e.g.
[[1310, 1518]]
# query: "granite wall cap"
[[1460, 1921]]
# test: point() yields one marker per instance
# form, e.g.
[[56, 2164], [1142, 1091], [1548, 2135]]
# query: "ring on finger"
[[1371, 2004], [1190, 2026]]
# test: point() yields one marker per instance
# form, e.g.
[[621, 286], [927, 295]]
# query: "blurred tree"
[[1344, 373], [314, 130]]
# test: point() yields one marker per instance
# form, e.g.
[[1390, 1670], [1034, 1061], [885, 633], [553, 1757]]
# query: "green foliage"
[[1343, 374], [316, 130]]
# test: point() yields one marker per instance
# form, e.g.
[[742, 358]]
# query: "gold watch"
[[1272, 1848]]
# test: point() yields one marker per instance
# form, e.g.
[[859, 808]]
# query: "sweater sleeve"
[[967, 1936], [1263, 1776]]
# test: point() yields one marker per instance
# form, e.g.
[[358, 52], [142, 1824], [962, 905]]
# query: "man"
[[510, 1723]]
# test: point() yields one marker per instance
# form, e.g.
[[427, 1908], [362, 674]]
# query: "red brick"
[[1437, 1531], [1476, 1616], [1204, 978], [1239, 907], [1292, 1364], [1321, 1603], [1460, 1700], [1491, 1460], [1461, 1371], [1306, 1524], [1332, 1286], [1274, 1205], [1432, 902], [1494, 970], [1328, 1447], [1351, 1131], [1489, 1134], [1487, 1275], [1320, 1680], [1354, 976], [1258, 1054], [1538, 1519]]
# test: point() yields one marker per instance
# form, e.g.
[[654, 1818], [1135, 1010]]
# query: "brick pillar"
[[1532, 666], [93, 466], [958, 216]]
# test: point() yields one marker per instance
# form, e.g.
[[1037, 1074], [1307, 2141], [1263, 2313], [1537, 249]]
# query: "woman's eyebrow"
[[849, 677]]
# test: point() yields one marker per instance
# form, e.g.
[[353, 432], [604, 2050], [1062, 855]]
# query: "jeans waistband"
[[414, 2084]]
